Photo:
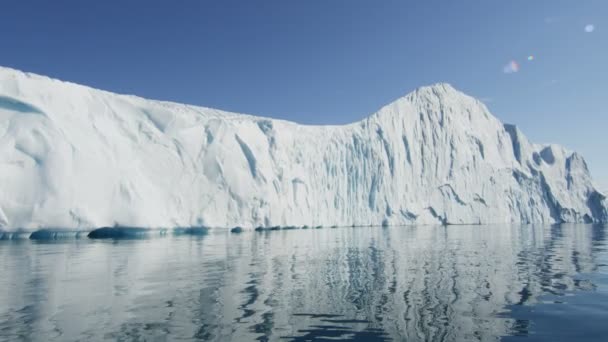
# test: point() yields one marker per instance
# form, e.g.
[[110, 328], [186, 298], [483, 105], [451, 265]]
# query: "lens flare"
[[589, 28], [531, 58], [511, 67]]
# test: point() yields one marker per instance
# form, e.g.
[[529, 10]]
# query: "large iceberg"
[[79, 158]]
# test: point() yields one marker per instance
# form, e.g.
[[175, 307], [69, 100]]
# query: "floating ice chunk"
[[122, 233], [236, 230], [51, 234], [191, 231], [17, 235]]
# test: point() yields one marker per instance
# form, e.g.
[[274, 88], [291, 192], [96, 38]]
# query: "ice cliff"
[[76, 157]]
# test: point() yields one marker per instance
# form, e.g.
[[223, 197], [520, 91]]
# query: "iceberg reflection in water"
[[361, 284]]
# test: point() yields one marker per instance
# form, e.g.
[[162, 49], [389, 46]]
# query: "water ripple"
[[483, 283]]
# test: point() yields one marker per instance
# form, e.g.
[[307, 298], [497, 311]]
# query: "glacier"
[[78, 158]]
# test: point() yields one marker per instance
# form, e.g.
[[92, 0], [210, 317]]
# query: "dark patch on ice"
[[251, 161], [159, 125], [480, 147], [479, 199], [408, 215], [441, 219], [265, 126], [209, 135], [512, 131], [532, 169], [388, 150], [536, 158], [372, 192], [452, 158], [519, 176], [406, 144], [15, 105], [547, 155], [389, 211], [451, 193]]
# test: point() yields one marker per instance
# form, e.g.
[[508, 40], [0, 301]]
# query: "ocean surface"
[[454, 283]]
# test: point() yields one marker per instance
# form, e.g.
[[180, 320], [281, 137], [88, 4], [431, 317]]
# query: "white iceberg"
[[79, 158]]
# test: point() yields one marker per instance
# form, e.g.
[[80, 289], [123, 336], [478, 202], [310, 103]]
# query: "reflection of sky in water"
[[362, 284]]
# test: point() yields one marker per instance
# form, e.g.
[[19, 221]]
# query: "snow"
[[79, 158]]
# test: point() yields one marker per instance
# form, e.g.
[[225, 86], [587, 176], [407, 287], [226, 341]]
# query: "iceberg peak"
[[438, 93], [437, 90], [440, 87]]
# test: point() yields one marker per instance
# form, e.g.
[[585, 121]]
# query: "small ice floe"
[[191, 231], [57, 234], [124, 233]]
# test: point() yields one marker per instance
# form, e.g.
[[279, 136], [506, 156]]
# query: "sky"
[[539, 64]]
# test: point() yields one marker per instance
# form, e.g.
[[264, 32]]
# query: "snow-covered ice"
[[79, 158]]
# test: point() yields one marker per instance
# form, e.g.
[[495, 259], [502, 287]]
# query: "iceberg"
[[82, 158]]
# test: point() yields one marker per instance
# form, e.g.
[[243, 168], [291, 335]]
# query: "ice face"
[[78, 158]]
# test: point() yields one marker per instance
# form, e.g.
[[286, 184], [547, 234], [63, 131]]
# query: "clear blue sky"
[[320, 61]]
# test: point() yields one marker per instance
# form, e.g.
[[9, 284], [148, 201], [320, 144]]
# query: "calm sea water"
[[456, 283]]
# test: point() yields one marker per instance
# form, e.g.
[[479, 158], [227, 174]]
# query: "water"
[[451, 283]]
